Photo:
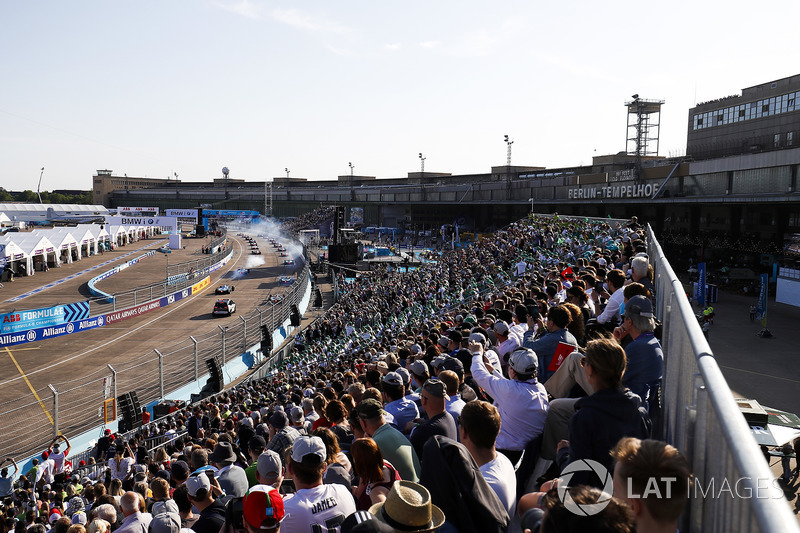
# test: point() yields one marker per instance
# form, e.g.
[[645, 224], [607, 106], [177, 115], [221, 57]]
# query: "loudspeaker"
[[294, 318], [317, 297], [266, 341], [130, 410], [161, 410], [215, 380], [343, 253], [338, 224]]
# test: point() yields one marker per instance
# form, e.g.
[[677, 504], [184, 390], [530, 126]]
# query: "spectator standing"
[[520, 398]]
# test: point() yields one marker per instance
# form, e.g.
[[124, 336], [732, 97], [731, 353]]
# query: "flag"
[[566, 272], [562, 351], [700, 293], [761, 309]]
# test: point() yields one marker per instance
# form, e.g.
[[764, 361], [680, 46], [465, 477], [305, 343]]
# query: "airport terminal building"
[[736, 188]]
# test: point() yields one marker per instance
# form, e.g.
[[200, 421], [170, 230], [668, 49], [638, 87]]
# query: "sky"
[[186, 87]]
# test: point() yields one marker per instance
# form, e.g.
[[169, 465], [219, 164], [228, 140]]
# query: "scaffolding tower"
[[643, 130]]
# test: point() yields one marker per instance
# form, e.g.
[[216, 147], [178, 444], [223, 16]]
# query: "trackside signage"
[[48, 316], [182, 213], [163, 222], [73, 311]]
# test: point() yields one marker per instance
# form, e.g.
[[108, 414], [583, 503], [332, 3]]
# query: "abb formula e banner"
[[65, 328]]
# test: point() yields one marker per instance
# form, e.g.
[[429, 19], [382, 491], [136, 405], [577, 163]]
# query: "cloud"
[[429, 44], [308, 22], [244, 8], [393, 46]]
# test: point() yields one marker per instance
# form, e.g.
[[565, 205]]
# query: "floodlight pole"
[[39, 187]]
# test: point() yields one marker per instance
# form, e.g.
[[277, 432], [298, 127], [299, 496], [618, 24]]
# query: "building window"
[[777, 140], [790, 138]]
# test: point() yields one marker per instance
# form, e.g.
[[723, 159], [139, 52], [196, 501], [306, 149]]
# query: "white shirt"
[[58, 460], [499, 474], [324, 506], [119, 471], [522, 405], [612, 307], [45, 471]]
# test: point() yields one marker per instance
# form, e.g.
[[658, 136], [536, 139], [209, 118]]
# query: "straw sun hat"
[[408, 508]]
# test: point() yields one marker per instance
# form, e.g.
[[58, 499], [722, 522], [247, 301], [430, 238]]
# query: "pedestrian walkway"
[[759, 368]]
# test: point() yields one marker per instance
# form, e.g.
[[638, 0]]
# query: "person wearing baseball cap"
[[263, 509], [439, 422], [645, 357], [314, 503], [212, 512], [521, 399]]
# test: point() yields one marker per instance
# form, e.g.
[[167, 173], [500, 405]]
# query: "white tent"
[[65, 243], [87, 242], [118, 234], [36, 247], [17, 261], [101, 236]]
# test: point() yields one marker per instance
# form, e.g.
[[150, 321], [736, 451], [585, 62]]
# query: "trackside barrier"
[[734, 487], [81, 397], [104, 295]]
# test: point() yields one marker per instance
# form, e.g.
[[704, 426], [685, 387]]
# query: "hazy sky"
[[155, 88]]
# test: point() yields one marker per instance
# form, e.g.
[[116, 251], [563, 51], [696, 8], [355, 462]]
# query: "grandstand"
[[386, 321]]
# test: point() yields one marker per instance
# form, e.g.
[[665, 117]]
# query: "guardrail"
[[75, 403], [703, 421]]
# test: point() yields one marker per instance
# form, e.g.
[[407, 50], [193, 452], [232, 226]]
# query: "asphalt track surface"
[[77, 362]]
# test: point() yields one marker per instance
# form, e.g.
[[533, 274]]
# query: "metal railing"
[[702, 419], [162, 370]]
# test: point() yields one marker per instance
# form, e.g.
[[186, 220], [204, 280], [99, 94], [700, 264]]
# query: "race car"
[[288, 261], [224, 306], [255, 252], [283, 254], [224, 289], [275, 298], [286, 280]]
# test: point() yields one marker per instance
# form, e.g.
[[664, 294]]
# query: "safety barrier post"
[[260, 317], [114, 385], [223, 345], [160, 374], [244, 331], [196, 369], [55, 410]]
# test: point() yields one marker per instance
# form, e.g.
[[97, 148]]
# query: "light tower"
[[287, 172], [422, 163], [351, 168], [643, 129]]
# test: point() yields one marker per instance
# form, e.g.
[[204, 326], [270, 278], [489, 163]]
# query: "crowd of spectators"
[[309, 220], [422, 401]]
